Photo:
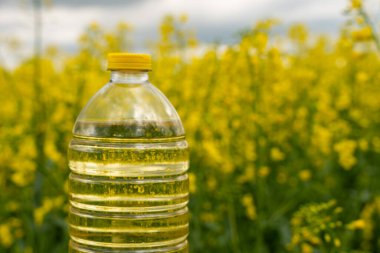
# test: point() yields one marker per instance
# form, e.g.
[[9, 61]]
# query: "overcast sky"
[[213, 20]]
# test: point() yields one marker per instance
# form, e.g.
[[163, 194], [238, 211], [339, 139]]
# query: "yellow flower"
[[21, 178], [250, 209], [213, 151], [376, 144], [39, 214], [337, 242], [19, 233], [13, 206], [264, 171], [359, 20], [6, 237], [357, 224], [363, 144], [315, 240], [48, 205], [361, 77], [260, 41], [306, 248], [183, 18], [250, 151], [345, 150], [208, 217], [192, 182], [370, 211], [251, 212], [322, 139], [298, 33], [356, 4], [363, 34], [276, 154], [227, 167], [247, 176], [343, 102], [327, 238], [304, 175], [51, 151], [211, 183]]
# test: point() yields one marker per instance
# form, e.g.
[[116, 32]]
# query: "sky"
[[212, 20]]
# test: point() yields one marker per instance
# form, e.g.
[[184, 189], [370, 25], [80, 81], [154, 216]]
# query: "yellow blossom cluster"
[[274, 122], [316, 226], [368, 223], [250, 210], [47, 206], [346, 152]]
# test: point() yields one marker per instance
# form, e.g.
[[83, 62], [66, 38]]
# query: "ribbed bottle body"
[[128, 194]]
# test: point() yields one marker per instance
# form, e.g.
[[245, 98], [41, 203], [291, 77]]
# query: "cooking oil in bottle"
[[128, 160]]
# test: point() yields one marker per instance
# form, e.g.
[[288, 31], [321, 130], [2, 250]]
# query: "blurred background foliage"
[[283, 129]]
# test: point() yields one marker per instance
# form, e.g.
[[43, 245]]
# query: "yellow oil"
[[128, 194]]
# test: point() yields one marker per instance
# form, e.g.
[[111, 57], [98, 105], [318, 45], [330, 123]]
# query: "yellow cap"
[[129, 61]]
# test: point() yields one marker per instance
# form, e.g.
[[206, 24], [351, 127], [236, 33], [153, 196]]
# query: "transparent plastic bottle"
[[128, 160]]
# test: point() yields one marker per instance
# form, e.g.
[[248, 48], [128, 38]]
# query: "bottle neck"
[[129, 76]]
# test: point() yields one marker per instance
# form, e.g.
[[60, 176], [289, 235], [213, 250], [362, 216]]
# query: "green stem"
[[233, 227]]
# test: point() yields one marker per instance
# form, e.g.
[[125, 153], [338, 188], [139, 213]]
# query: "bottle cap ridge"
[[129, 61]]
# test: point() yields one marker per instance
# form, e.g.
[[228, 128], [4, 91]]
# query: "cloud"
[[212, 20], [301, 10], [104, 4]]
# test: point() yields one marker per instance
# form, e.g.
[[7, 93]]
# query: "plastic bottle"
[[128, 160]]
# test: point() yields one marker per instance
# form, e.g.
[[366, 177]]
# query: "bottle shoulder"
[[120, 110]]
